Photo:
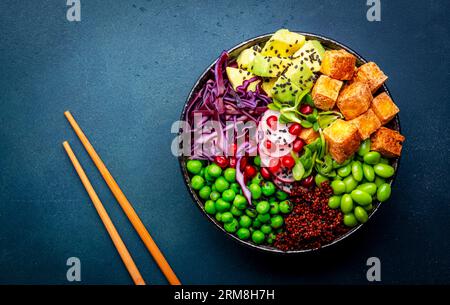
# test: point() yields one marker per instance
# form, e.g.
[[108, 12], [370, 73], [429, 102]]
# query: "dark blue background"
[[125, 70]]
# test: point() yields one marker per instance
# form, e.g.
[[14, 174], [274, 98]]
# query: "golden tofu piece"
[[354, 100], [308, 135], [384, 108], [367, 123], [343, 139], [372, 75], [387, 142], [338, 64], [325, 92]]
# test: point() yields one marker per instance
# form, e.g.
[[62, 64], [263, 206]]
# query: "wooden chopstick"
[[125, 204], [118, 243]]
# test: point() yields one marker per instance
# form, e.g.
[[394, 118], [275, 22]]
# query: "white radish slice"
[[265, 159], [281, 135], [276, 151], [285, 187], [284, 175]]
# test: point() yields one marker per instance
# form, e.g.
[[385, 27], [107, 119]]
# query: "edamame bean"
[[281, 195], [344, 171], [368, 207], [255, 189], [276, 222], [368, 187], [221, 184], [222, 205], [350, 220], [338, 187], [384, 192], [258, 237], [319, 179], [263, 217], [274, 208], [230, 174], [364, 148], [262, 207], [372, 157], [346, 204], [243, 233], [368, 171], [350, 184], [384, 170], [384, 161], [361, 197], [209, 207], [228, 195], [357, 171], [245, 221], [268, 188], [361, 214], [240, 202], [379, 181], [214, 170], [227, 217], [285, 206], [231, 226], [194, 166], [334, 202], [197, 182]]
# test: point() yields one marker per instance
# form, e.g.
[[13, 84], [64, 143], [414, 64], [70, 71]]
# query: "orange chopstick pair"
[[126, 206]]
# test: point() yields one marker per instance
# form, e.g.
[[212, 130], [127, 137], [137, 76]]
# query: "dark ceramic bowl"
[[260, 40]]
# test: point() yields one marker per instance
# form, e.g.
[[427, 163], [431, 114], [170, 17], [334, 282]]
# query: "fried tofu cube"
[[325, 92], [308, 135], [367, 123], [387, 142], [354, 100], [384, 108], [372, 75], [338, 64], [343, 139]]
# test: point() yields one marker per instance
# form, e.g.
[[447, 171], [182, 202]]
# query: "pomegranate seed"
[[288, 161], [243, 163], [272, 122], [295, 129], [306, 109], [268, 144], [265, 173], [274, 165], [250, 171], [221, 161], [308, 181], [232, 162], [298, 145]]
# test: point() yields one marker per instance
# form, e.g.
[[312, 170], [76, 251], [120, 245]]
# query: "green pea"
[[258, 237], [334, 202], [268, 188], [266, 229], [384, 192], [285, 207], [372, 157], [256, 223], [227, 217], [272, 199], [208, 177], [361, 214], [281, 195], [213, 187], [235, 211], [240, 202], [197, 182], [384, 161], [245, 221], [218, 216], [357, 171], [350, 184], [379, 181], [228, 195], [384, 170], [251, 213], [361, 197], [364, 148], [210, 207], [257, 161], [262, 207], [370, 188], [276, 221], [214, 195], [205, 192], [344, 171], [346, 204], [319, 179], [231, 226], [368, 171], [230, 174], [338, 187], [257, 179], [255, 189], [264, 217], [243, 233], [194, 166], [274, 208], [221, 184], [235, 187], [214, 170], [350, 220], [222, 205]]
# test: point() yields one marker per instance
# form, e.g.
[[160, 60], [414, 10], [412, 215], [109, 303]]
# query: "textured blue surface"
[[125, 70]]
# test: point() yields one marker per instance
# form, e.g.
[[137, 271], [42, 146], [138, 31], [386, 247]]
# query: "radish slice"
[[276, 151], [281, 135], [284, 175], [285, 187]]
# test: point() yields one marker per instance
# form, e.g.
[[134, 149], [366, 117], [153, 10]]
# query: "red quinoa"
[[312, 223]]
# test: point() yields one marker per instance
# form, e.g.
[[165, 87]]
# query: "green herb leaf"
[[298, 171]]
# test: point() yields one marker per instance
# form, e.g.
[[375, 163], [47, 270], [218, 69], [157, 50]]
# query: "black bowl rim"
[[182, 160]]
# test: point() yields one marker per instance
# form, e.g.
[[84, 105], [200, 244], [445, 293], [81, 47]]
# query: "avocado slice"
[[283, 43], [311, 53], [284, 90], [267, 66], [246, 57], [267, 85], [237, 77]]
